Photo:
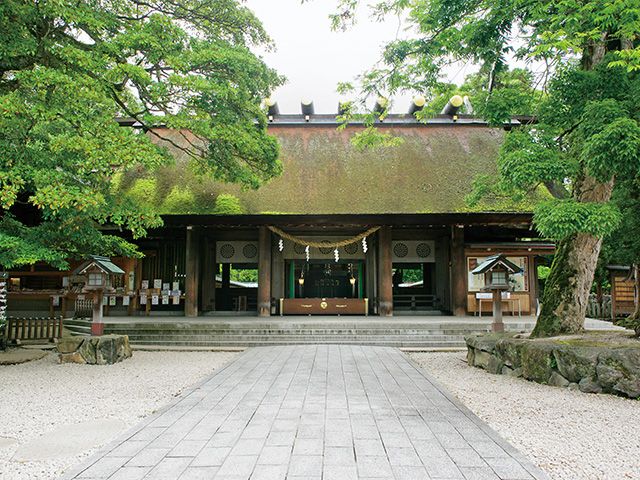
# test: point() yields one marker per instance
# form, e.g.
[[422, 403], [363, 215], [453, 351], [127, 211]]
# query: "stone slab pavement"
[[312, 412]]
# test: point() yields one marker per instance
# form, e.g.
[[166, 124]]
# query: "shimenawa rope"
[[341, 243]]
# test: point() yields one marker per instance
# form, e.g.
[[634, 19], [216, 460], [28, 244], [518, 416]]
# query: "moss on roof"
[[430, 172]]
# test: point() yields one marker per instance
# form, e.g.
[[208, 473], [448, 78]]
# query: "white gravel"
[[571, 435], [40, 396]]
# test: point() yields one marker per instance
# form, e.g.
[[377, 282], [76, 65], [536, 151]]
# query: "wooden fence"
[[34, 328]]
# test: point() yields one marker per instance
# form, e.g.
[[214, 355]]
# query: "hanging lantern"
[[281, 244], [306, 251], [336, 254], [364, 244]]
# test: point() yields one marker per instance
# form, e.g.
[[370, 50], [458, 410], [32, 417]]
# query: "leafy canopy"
[[586, 132], [68, 70]]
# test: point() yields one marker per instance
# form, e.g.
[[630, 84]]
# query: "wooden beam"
[[385, 273], [192, 271], [458, 272], [264, 272]]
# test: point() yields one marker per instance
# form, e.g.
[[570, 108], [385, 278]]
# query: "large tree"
[[587, 133], [70, 70]]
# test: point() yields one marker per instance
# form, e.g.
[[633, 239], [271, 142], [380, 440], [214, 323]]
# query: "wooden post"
[[192, 273], [385, 273], [264, 272], [208, 277], [458, 272], [97, 327], [225, 290], [497, 325]]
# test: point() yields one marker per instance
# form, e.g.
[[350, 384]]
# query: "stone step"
[[295, 338], [404, 343]]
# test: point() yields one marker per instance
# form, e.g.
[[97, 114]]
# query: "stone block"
[[88, 350], [102, 350], [618, 371], [589, 385], [471, 355], [481, 359], [510, 350], [537, 362], [74, 357], [575, 363], [557, 380], [495, 365], [68, 344]]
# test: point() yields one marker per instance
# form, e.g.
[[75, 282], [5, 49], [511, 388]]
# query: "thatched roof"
[[431, 171]]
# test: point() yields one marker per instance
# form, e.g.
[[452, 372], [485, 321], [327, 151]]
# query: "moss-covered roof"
[[430, 172]]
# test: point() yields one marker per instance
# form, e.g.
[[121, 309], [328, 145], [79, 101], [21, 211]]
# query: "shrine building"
[[342, 231]]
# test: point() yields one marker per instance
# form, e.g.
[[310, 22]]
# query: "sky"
[[315, 59]]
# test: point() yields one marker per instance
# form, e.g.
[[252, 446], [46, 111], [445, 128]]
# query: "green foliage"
[[559, 219], [227, 204], [68, 70], [249, 275]]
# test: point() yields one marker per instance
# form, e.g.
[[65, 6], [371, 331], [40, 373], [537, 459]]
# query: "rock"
[[88, 350], [516, 372], [471, 355], [495, 365], [484, 342], [618, 371], [74, 357], [481, 359], [68, 344], [112, 349], [588, 385], [576, 363], [573, 387], [102, 350], [537, 361], [558, 380], [506, 370], [510, 350]]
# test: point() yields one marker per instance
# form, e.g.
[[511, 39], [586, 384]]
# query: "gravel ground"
[[570, 435], [40, 396]]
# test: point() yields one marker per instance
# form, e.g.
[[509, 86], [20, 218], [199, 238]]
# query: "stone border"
[[587, 367]]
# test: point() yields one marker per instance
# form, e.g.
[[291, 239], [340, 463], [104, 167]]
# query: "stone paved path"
[[312, 412]]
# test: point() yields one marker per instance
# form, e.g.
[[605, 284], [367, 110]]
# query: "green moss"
[[227, 204], [179, 200], [144, 191]]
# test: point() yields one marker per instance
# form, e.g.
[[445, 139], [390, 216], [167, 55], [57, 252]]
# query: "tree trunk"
[[566, 292]]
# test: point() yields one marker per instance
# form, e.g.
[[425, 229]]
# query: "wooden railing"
[[417, 301], [34, 328]]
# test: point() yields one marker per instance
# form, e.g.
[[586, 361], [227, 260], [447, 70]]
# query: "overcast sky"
[[314, 58]]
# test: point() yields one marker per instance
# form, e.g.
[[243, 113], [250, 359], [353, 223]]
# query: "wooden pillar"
[[192, 272], [97, 326], [497, 325], [385, 273], [371, 273], [225, 287], [264, 272], [208, 277], [532, 272], [458, 272], [277, 274]]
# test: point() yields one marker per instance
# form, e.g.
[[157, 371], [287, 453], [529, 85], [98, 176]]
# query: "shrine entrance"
[[322, 279]]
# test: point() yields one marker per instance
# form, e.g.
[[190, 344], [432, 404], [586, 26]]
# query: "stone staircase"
[[415, 332]]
